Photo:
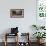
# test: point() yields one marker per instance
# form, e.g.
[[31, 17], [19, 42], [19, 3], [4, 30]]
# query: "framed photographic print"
[[16, 13], [41, 8], [41, 12]]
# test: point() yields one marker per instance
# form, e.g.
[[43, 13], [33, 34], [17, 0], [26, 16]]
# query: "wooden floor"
[[13, 44]]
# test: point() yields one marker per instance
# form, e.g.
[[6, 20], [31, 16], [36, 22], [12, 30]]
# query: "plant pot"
[[40, 41]]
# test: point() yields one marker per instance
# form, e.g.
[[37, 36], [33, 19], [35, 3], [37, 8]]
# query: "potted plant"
[[35, 27], [38, 27], [39, 35], [42, 27]]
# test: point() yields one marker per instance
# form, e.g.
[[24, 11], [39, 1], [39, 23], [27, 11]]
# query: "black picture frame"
[[16, 13]]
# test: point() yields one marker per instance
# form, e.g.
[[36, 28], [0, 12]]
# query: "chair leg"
[[5, 43]]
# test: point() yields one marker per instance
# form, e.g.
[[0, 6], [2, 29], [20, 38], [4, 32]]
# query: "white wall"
[[24, 24]]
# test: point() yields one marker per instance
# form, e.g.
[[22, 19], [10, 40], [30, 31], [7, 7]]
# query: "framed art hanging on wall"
[[41, 12], [16, 13]]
